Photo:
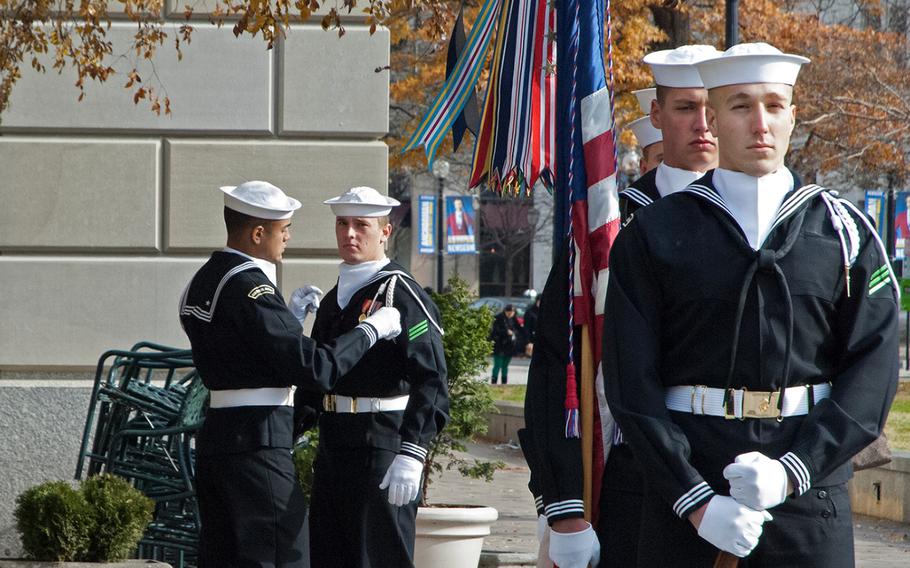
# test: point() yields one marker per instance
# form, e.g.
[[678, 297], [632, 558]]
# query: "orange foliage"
[[418, 72], [853, 118]]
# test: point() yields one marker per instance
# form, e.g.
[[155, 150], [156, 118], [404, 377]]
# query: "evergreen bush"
[[304, 456], [467, 348], [54, 521], [120, 513], [102, 521]]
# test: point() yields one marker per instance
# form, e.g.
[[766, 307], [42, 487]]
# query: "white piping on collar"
[[268, 268], [404, 277], [207, 314], [636, 196]]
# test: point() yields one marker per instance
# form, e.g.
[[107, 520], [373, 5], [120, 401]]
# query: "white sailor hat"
[[361, 202], [645, 96], [750, 63], [259, 199], [645, 132], [674, 67]]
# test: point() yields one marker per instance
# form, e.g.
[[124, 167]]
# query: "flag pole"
[[586, 407]]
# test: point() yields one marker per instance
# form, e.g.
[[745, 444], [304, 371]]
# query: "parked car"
[[497, 303]]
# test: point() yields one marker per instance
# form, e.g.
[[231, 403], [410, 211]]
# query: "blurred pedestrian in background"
[[504, 335]]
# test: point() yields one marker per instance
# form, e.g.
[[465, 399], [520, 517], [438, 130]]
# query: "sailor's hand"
[[575, 549], [757, 481], [304, 301], [731, 526], [402, 479], [386, 322]]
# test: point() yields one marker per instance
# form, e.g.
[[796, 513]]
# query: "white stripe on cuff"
[[799, 471], [413, 448], [370, 331], [567, 506], [691, 497]]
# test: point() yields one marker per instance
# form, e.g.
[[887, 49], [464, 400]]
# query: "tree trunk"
[[673, 23]]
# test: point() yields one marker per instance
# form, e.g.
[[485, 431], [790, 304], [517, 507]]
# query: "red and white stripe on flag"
[[598, 218]]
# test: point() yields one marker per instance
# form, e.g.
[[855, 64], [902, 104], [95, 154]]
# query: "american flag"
[[586, 176]]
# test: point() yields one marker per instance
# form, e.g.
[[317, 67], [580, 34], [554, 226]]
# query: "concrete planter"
[[451, 537], [884, 492]]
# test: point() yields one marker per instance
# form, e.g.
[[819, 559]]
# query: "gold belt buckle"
[[328, 402], [761, 404], [730, 404]]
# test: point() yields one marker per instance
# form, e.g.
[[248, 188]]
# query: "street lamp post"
[[732, 23], [441, 171]]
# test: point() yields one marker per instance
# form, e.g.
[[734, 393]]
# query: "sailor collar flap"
[[643, 191], [204, 298], [704, 189], [393, 277], [637, 196]]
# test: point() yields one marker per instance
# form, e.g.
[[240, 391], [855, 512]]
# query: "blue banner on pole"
[[426, 224], [460, 225], [877, 208], [901, 225]]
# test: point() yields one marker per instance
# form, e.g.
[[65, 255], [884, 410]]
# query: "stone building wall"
[[106, 209]]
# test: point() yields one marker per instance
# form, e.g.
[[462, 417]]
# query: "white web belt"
[[743, 403]]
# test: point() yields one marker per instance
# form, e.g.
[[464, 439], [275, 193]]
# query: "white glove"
[[757, 481], [386, 322], [543, 525], [574, 550], [543, 540], [731, 526], [402, 479], [304, 301]]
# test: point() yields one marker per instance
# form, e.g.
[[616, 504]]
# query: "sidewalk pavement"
[[513, 541], [518, 370]]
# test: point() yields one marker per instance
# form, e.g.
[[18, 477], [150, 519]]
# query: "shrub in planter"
[[304, 456], [120, 513], [102, 521], [467, 347], [54, 521]]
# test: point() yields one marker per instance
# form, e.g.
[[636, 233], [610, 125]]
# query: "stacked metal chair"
[[146, 406]]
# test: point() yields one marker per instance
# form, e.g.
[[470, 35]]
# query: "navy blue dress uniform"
[[797, 329], [720, 342], [388, 410], [555, 461], [251, 352], [353, 523]]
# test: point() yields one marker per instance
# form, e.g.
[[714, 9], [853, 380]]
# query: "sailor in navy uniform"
[[376, 427], [678, 109], [750, 340], [251, 353]]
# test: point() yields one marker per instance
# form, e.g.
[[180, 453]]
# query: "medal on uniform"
[[369, 306]]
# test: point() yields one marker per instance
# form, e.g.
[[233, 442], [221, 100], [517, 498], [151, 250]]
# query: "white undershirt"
[[754, 201], [352, 277], [271, 271], [670, 180]]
